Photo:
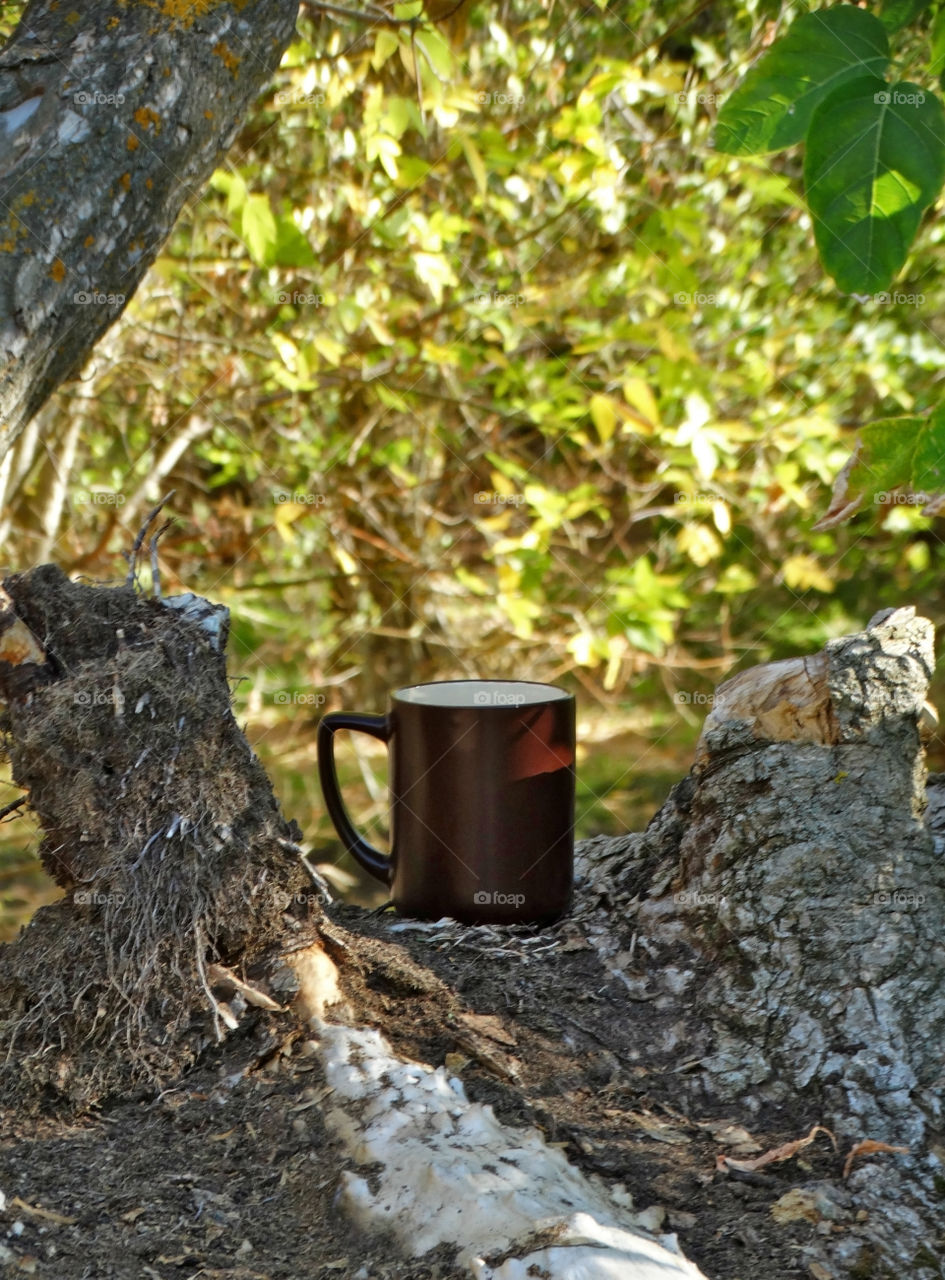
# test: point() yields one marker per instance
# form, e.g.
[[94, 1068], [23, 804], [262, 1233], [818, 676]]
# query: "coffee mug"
[[481, 799]]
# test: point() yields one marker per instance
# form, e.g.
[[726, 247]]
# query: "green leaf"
[[437, 52], [937, 41], [233, 187], [391, 399], [350, 314], [773, 105], [875, 160], [258, 225], [899, 13], [881, 461], [291, 248], [928, 461]]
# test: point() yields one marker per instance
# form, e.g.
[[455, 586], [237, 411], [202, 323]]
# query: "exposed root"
[[161, 825]]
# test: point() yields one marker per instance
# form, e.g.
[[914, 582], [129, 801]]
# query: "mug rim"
[[552, 693]]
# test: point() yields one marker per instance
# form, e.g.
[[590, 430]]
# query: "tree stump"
[[807, 890], [158, 821]]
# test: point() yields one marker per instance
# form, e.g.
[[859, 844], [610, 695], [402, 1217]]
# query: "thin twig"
[[132, 555], [373, 17], [12, 807], [155, 571], [320, 883]]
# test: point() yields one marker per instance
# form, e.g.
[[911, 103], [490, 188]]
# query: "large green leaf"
[[883, 460], [772, 107], [875, 159], [928, 461]]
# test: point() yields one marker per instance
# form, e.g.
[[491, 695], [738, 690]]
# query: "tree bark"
[[112, 115], [805, 874]]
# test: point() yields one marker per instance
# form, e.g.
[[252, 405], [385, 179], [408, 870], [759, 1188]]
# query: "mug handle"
[[371, 859]]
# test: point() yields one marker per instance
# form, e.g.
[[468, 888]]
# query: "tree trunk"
[[769, 952], [112, 115]]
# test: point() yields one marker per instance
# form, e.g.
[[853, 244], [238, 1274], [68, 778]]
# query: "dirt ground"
[[229, 1174]]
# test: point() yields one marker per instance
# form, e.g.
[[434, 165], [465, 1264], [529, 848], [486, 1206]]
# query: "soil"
[[229, 1174]]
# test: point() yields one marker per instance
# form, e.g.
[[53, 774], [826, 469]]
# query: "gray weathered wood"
[[784, 914], [806, 871]]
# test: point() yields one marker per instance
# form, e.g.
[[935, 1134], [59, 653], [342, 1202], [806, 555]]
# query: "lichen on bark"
[[110, 119]]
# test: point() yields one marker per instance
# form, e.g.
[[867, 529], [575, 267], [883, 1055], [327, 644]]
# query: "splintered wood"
[[786, 701]]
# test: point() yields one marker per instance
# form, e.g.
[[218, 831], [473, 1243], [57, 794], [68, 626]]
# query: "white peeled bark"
[[446, 1171]]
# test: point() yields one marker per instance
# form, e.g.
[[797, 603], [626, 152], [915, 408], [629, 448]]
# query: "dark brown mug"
[[481, 799]]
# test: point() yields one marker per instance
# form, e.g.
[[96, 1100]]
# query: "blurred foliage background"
[[477, 359]]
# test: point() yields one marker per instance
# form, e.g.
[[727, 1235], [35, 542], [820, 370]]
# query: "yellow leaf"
[[669, 345], [666, 78], [699, 543], [616, 650], [379, 329], [502, 484], [641, 400], [721, 517], [441, 356], [286, 514], [604, 416], [520, 612], [386, 149], [472, 582], [703, 450], [288, 351], [736, 580], [476, 166], [803, 573], [384, 45], [499, 523], [581, 647], [435, 272], [328, 347], [347, 561], [509, 578]]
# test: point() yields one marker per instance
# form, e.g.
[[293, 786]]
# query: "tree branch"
[[370, 15]]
